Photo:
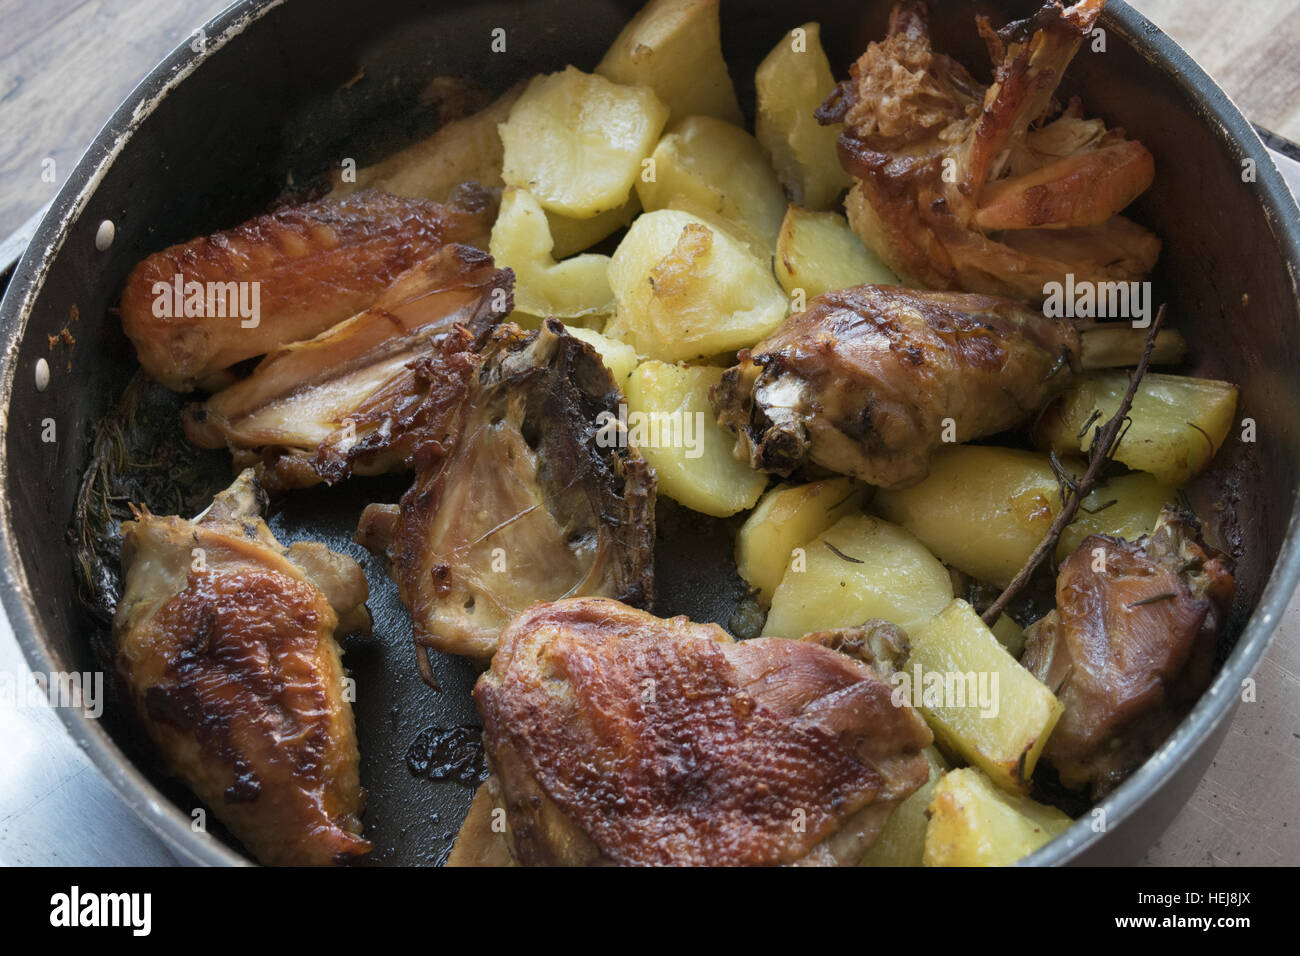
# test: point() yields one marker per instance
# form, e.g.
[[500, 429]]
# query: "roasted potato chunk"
[[717, 171], [1123, 506], [858, 569], [788, 517], [973, 823], [675, 48], [791, 83], [576, 141], [982, 509], [980, 703], [521, 240], [685, 290], [818, 252], [1178, 423], [669, 421]]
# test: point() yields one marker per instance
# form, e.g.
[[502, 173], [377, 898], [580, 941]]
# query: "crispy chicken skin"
[[617, 737], [522, 504], [864, 381], [1130, 647], [316, 264], [225, 647], [361, 396], [958, 186]]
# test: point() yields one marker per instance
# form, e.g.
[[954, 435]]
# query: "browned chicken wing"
[[616, 737], [361, 396], [958, 186], [523, 504], [310, 266], [1128, 648], [225, 645]]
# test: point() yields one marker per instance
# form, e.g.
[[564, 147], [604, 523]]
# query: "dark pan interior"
[[278, 106]]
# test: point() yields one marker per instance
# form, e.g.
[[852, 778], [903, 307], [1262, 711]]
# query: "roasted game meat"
[[225, 645], [197, 308], [616, 737]]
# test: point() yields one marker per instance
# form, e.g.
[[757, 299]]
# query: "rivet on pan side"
[[42, 375], [104, 235]]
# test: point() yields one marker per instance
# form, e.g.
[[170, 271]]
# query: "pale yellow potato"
[[687, 291], [717, 171], [1010, 635], [788, 517], [1179, 423], [791, 83], [901, 841], [859, 568], [521, 240], [670, 421], [572, 236], [576, 141], [818, 252], [980, 703], [465, 150], [973, 823], [675, 48], [1125, 506], [618, 357], [982, 509]]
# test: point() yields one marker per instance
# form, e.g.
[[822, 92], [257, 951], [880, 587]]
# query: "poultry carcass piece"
[[958, 186], [225, 645], [524, 503], [359, 397], [197, 308], [869, 381], [1129, 647], [616, 737]]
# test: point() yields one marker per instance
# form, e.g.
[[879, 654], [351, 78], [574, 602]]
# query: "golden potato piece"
[[1179, 423], [716, 171], [571, 236], [788, 517], [671, 423], [978, 700], [860, 568], [521, 240], [791, 83], [675, 48], [972, 823], [618, 357], [576, 141], [687, 291], [818, 252]]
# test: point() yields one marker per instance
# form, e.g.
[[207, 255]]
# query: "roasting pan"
[[272, 93]]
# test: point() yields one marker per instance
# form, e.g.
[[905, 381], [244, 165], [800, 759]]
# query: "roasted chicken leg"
[[225, 647], [958, 186], [1129, 647], [869, 381], [616, 737], [195, 309]]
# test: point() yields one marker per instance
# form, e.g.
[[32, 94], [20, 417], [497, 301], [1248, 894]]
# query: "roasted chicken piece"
[[361, 396], [996, 189], [869, 381], [616, 737], [225, 647], [1129, 647], [523, 504], [195, 309]]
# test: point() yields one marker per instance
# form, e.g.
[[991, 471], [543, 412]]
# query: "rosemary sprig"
[[1103, 447]]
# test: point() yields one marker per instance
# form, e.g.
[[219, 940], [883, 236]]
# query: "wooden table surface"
[[66, 64]]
